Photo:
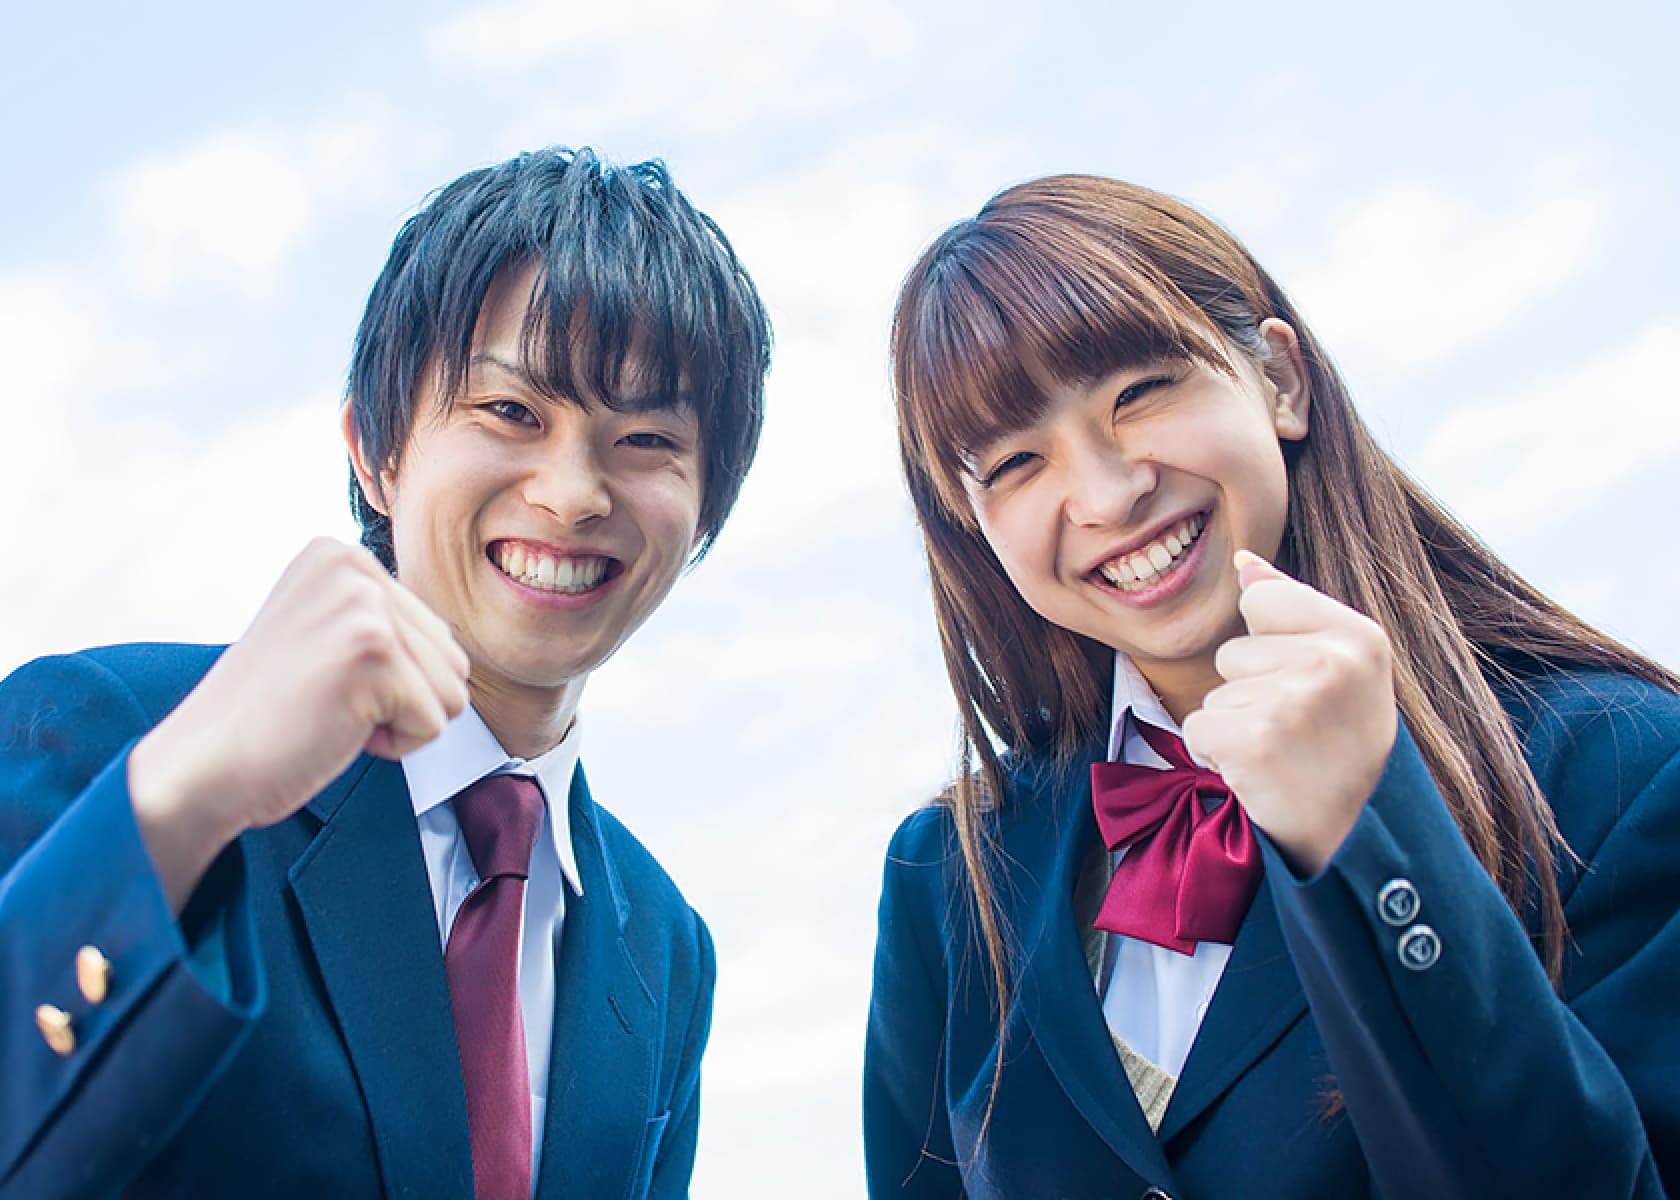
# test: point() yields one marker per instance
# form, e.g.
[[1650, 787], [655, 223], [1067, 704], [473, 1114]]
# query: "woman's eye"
[[512, 410], [1003, 468], [1135, 391]]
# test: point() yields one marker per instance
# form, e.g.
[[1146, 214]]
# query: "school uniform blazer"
[[291, 1034], [1462, 1073]]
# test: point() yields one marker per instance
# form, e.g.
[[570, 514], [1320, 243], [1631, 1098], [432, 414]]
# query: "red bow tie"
[[1188, 875]]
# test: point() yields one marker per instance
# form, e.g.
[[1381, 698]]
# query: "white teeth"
[[564, 574], [1144, 567]]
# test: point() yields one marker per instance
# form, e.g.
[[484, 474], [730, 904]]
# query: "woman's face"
[[1116, 515]]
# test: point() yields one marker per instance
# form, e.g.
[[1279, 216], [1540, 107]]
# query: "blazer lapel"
[[1258, 998], [361, 886], [1058, 997], [606, 1028]]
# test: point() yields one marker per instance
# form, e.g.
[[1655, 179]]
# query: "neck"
[[528, 721], [1182, 686]]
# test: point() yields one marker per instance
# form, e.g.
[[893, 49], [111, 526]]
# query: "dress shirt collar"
[[466, 751], [1133, 697]]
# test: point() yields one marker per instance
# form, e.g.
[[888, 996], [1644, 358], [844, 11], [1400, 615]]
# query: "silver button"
[[1398, 903], [1154, 1193], [1420, 948]]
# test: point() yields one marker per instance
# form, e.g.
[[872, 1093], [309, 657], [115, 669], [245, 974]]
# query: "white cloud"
[[136, 530], [1415, 275], [44, 338], [717, 66], [234, 204], [233, 209], [517, 34], [1517, 463]]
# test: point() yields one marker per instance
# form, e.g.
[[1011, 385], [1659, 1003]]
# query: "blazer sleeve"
[[674, 1167], [180, 996], [907, 1143], [1463, 1071]]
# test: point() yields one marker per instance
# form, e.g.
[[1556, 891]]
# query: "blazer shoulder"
[[1040, 791], [155, 675], [1602, 718], [646, 882], [925, 838]]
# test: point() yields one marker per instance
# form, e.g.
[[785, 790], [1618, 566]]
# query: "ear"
[[1287, 384], [375, 483]]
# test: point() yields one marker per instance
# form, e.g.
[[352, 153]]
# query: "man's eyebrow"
[[506, 366], [642, 402], [637, 401]]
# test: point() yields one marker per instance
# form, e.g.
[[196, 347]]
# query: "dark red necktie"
[[499, 817], [1188, 874]]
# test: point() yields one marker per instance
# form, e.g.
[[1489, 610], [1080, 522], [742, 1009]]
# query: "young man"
[[331, 912]]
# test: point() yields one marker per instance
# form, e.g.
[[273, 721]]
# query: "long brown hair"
[[1072, 277]]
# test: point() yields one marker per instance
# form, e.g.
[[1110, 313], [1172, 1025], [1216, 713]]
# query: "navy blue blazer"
[[1464, 1076], [291, 1034]]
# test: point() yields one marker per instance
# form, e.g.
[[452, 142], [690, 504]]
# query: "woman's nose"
[[1105, 484]]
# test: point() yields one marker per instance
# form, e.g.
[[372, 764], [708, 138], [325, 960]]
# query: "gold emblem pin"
[[93, 974], [54, 1024]]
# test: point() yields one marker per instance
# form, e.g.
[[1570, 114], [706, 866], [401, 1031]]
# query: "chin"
[[522, 670]]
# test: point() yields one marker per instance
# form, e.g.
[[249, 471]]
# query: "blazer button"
[[1420, 948], [55, 1027], [1154, 1193], [1398, 902], [93, 974]]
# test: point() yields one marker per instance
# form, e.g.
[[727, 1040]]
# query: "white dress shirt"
[[1156, 998], [465, 752]]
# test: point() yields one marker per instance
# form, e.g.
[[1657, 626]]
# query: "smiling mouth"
[[566, 573], [1146, 567]]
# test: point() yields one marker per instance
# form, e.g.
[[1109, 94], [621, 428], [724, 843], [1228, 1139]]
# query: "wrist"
[[181, 814]]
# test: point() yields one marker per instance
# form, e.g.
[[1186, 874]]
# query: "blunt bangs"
[[639, 303], [1036, 292]]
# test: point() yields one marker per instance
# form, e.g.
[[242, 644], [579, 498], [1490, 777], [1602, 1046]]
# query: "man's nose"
[[1105, 484], [569, 480]]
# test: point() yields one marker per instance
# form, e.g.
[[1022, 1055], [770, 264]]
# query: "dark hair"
[[626, 265], [1071, 277]]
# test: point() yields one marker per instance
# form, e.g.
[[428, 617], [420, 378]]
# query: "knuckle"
[[360, 595], [329, 552], [1365, 649], [371, 641], [1379, 650], [1277, 725], [431, 723]]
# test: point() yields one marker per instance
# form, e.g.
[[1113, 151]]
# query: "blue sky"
[[1472, 204]]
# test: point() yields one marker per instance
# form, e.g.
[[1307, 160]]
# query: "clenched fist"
[[1305, 719], [341, 658]]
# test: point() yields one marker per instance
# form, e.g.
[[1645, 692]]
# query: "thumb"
[[1251, 569]]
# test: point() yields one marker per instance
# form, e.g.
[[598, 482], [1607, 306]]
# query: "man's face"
[[544, 532]]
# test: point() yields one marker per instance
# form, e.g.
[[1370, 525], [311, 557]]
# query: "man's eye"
[[512, 410], [649, 441]]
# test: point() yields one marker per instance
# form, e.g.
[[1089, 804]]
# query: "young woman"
[[1371, 890]]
